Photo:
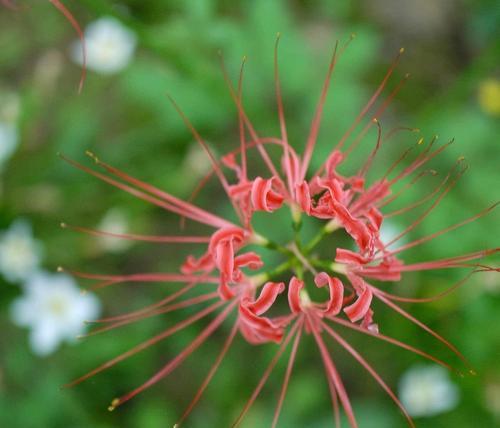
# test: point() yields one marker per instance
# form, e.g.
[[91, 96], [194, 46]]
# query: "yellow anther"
[[421, 141], [401, 50], [113, 405], [92, 155]]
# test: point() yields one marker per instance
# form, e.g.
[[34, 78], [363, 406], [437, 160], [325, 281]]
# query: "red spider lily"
[[340, 202]]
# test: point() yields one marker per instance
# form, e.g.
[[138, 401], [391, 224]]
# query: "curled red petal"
[[264, 198], [267, 297], [224, 290], [251, 260], [360, 307], [336, 292], [294, 288], [303, 197]]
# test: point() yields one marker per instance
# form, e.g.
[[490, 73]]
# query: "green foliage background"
[[127, 120]]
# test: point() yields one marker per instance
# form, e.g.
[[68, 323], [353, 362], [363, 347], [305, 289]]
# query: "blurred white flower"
[[196, 163], [114, 221], [389, 231], [9, 135], [20, 253], [110, 46], [427, 391], [8, 140], [54, 308]]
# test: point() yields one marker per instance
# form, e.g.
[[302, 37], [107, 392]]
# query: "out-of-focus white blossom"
[[8, 141], [114, 221], [388, 231], [9, 134], [54, 309], [20, 253], [427, 391], [109, 46]]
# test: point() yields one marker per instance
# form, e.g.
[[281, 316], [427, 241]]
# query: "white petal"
[[44, 338]]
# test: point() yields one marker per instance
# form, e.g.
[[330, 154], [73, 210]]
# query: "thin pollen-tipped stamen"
[[146, 344], [179, 359], [370, 102], [420, 241], [251, 129], [182, 205], [393, 341], [431, 298], [210, 375], [200, 216], [364, 169], [134, 237], [428, 210], [313, 133], [378, 113]]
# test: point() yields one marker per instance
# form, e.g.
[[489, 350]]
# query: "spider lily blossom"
[[273, 303]]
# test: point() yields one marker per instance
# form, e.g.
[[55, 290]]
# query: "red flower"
[[226, 269]]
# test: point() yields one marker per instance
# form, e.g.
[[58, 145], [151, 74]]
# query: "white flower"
[[114, 221], [389, 231], [427, 391], [8, 140], [109, 46], [9, 135], [54, 308], [19, 253]]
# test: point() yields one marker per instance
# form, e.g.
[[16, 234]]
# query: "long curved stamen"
[[251, 130], [210, 375], [313, 133], [187, 210], [146, 344], [135, 237], [179, 359], [288, 374], [424, 327], [431, 298], [74, 23], [393, 341], [266, 374], [420, 241], [371, 101], [422, 217], [176, 306], [332, 373], [370, 370], [148, 308], [241, 124], [281, 114], [378, 113]]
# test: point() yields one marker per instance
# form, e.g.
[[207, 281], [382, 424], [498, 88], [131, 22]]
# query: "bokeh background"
[[452, 53]]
